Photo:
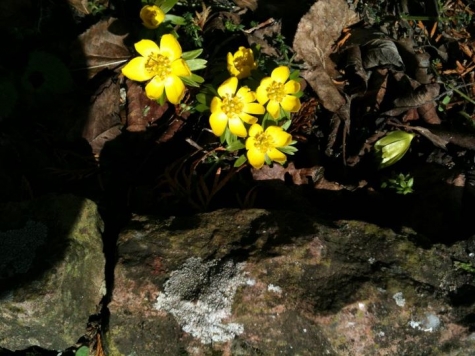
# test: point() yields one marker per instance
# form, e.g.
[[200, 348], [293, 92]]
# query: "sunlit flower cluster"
[[238, 109], [246, 111]]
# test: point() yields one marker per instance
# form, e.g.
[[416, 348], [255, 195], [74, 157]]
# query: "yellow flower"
[[261, 143], [163, 65], [233, 108], [279, 92], [241, 63], [152, 16]]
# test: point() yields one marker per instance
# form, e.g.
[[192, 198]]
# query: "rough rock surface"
[[51, 271], [257, 282]]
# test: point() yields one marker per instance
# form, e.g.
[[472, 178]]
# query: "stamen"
[[263, 142], [158, 65], [275, 91], [232, 106]]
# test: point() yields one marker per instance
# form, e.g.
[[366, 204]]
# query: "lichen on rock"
[[200, 295]]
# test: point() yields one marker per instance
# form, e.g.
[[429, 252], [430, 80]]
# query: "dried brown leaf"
[[317, 32], [100, 47], [103, 120], [299, 175], [381, 53], [80, 6], [141, 110]]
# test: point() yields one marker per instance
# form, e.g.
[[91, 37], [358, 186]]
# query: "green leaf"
[[166, 5], [240, 161], [286, 125], [201, 107], [191, 54], [162, 99], [197, 79], [196, 64], [176, 20], [82, 351], [294, 74], [189, 81], [288, 150], [267, 160], [235, 146]]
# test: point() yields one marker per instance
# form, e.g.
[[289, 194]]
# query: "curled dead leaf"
[[317, 32], [101, 46]]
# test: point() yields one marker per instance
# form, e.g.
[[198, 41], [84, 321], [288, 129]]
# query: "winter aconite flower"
[[241, 63], [261, 143], [233, 107], [279, 92], [152, 16], [392, 147], [163, 65]]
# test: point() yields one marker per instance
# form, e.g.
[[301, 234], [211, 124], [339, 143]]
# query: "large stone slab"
[[257, 282], [51, 271]]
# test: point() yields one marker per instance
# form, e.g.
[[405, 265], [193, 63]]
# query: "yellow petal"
[[291, 87], [281, 74], [256, 158], [154, 89], [180, 68], [276, 155], [228, 87], [237, 127], [169, 47], [290, 103], [218, 122], [248, 119], [273, 108], [215, 104], [254, 130], [146, 47], [135, 70], [280, 138], [246, 94], [230, 65], [261, 94], [175, 89], [254, 108]]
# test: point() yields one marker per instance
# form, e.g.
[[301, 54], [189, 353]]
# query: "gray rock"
[[51, 271], [257, 282]]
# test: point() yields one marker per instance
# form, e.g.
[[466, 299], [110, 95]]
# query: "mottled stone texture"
[[51, 271], [257, 282]]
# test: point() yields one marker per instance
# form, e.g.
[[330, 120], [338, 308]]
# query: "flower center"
[[158, 65], [263, 142], [243, 62], [232, 106], [275, 91]]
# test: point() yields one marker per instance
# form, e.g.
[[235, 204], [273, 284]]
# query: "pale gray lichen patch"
[[200, 295], [19, 248]]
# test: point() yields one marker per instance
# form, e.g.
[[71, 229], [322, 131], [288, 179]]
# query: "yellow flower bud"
[[392, 147], [152, 16], [241, 63]]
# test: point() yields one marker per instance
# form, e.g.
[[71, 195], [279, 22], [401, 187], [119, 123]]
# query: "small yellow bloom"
[[232, 107], [152, 16], [163, 65], [261, 143], [278, 92], [241, 63]]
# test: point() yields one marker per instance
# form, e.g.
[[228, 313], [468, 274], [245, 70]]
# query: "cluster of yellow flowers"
[[237, 109], [236, 106]]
